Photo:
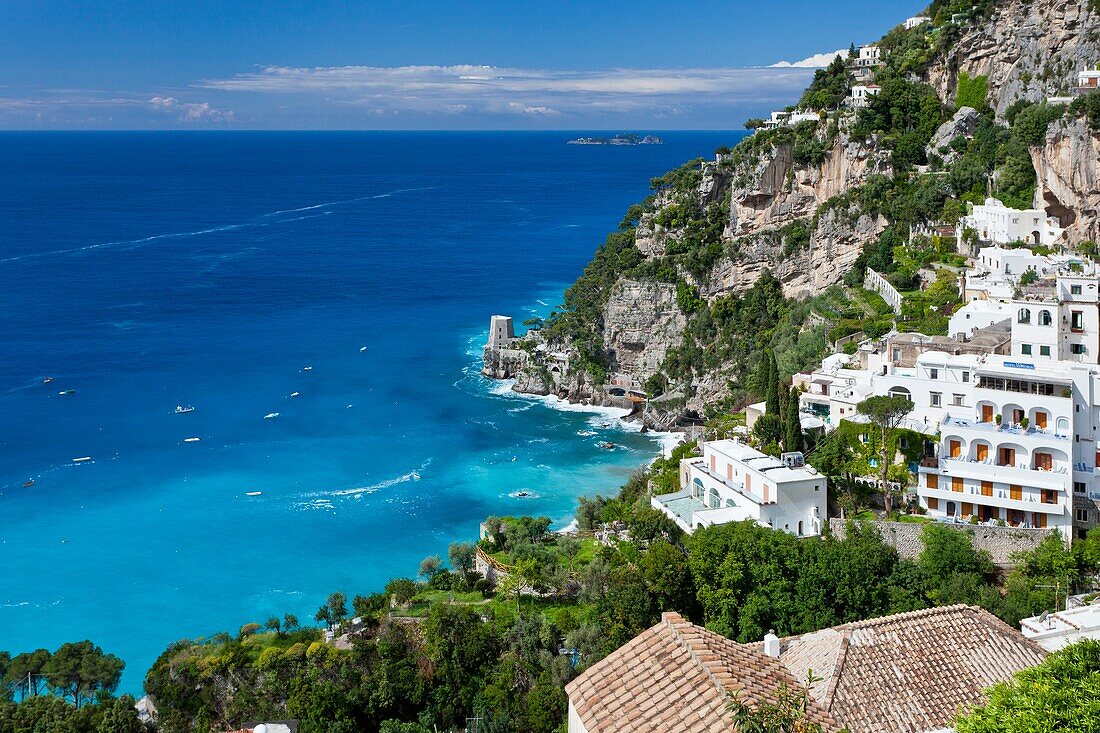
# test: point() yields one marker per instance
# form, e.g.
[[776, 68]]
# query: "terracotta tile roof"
[[909, 672], [675, 678]]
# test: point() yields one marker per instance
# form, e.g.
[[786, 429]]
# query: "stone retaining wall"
[[1000, 542]]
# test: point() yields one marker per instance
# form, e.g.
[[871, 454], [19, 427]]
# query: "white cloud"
[[535, 93], [817, 61], [190, 111]]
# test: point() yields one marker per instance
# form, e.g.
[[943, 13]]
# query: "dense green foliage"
[[47, 714], [972, 91], [1089, 106], [829, 86], [1061, 694]]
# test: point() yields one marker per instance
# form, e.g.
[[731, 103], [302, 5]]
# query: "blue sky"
[[465, 64]]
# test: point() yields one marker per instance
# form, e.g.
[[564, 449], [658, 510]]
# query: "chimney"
[[771, 644]]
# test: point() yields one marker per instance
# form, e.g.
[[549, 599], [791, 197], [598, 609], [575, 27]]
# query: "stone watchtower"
[[502, 332]]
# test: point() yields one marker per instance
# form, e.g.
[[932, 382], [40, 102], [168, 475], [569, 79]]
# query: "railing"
[[876, 282]]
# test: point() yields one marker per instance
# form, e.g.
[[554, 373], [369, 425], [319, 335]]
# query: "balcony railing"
[[1002, 429]]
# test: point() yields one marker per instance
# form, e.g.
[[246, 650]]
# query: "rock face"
[[1029, 49], [961, 123], [776, 191], [642, 320], [1068, 169]]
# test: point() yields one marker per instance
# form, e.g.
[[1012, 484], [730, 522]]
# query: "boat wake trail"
[[357, 492], [272, 218]]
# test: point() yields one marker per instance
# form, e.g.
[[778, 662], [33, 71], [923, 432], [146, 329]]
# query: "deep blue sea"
[[150, 270]]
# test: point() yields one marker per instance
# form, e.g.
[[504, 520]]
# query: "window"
[[933, 503], [1076, 348], [1044, 318], [1026, 349], [715, 500], [957, 399], [935, 399], [966, 376], [932, 481], [1081, 515], [1077, 320], [1044, 351], [1023, 316], [895, 355], [933, 373], [957, 483], [1049, 496], [1078, 487], [1016, 493], [1074, 289], [987, 488]]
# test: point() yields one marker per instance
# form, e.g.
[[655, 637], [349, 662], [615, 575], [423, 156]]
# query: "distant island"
[[620, 139]]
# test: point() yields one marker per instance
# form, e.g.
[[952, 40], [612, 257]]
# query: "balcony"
[[1003, 430], [1027, 503], [734, 486], [1021, 474]]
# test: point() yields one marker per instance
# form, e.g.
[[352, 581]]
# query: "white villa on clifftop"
[[994, 222], [732, 482]]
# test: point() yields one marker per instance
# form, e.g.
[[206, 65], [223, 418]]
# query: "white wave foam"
[[413, 475], [262, 220]]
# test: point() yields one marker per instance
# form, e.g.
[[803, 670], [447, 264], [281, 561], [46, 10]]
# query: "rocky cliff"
[[1028, 49], [1068, 169]]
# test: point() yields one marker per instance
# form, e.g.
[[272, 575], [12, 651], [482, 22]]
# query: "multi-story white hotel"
[[732, 482], [1009, 438]]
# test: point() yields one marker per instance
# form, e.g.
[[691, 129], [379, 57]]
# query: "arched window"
[[715, 500], [731, 504], [800, 528], [1044, 318], [1024, 316], [899, 392], [697, 488], [1061, 426]]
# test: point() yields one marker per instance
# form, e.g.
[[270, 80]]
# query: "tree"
[[273, 624], [793, 439], [1061, 694], [290, 622], [338, 604], [429, 566], [768, 430], [771, 385], [888, 413], [461, 555], [80, 670], [401, 590], [24, 673]]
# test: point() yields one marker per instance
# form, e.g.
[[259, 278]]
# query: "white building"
[[978, 314], [1000, 224], [916, 20], [861, 94], [732, 482], [1087, 81], [1065, 327], [782, 118], [863, 66], [1054, 631]]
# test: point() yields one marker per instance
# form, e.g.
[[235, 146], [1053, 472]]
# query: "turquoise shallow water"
[[150, 270]]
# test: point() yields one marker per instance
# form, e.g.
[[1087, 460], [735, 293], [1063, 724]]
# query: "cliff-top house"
[[907, 673]]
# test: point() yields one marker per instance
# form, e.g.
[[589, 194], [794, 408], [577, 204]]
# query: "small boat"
[[521, 494], [253, 493], [350, 406], [28, 483], [307, 369], [82, 459], [295, 394], [606, 445], [191, 440], [47, 380], [362, 349], [181, 409], [65, 392], [271, 416]]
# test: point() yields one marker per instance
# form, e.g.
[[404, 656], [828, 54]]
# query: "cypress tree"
[[792, 433], [772, 386]]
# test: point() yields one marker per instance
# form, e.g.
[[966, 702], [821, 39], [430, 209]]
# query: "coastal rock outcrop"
[[1067, 166], [962, 123], [774, 190], [1028, 49], [642, 321]]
